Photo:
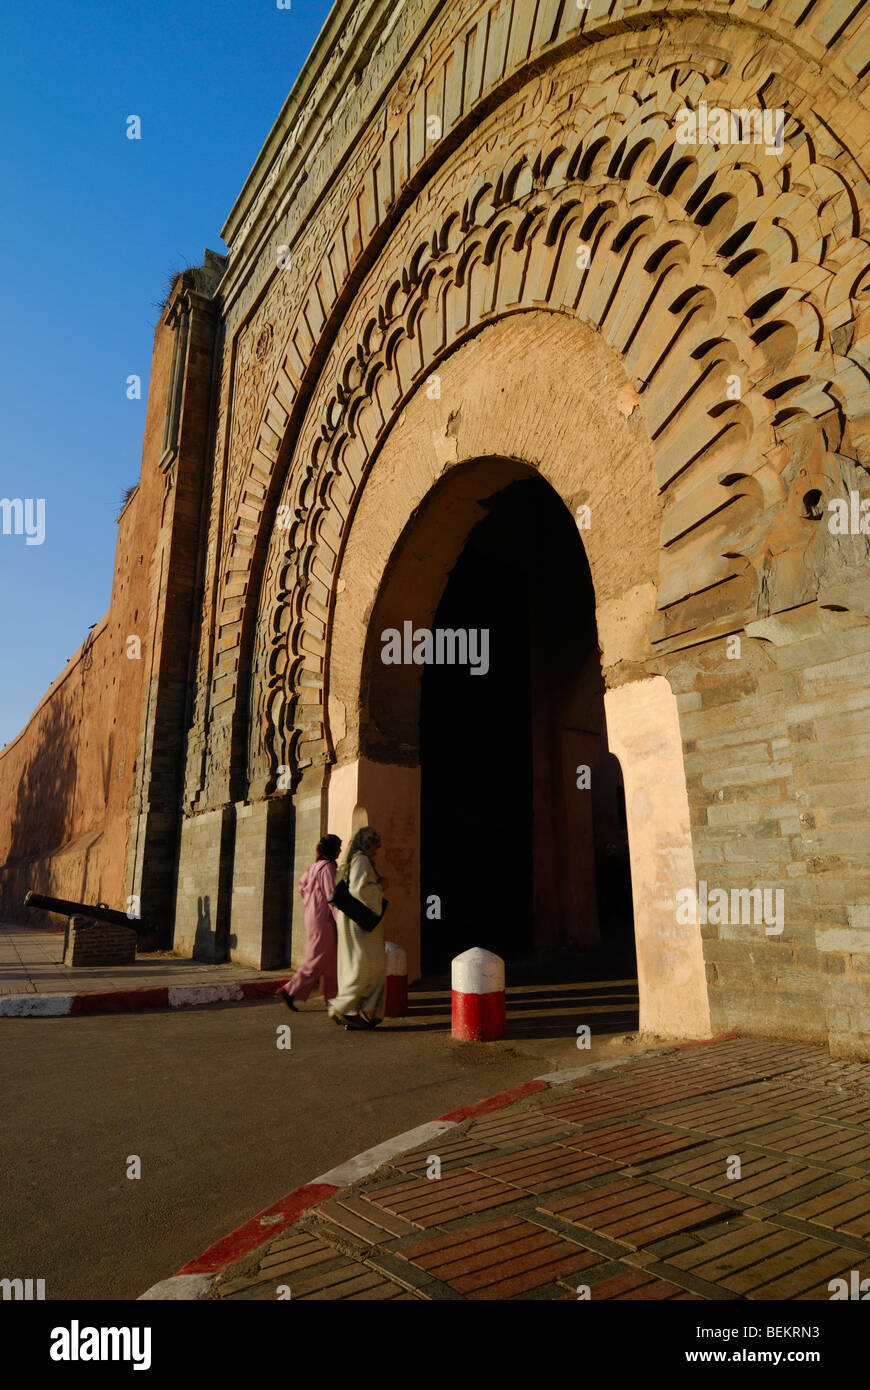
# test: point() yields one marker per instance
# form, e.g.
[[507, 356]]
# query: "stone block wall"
[[204, 888], [261, 884], [780, 800]]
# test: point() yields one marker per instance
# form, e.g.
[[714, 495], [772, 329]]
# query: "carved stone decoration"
[[355, 312], [264, 339], [701, 274]]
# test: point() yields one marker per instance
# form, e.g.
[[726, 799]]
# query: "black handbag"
[[363, 916]]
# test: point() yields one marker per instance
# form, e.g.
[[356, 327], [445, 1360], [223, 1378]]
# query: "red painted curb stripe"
[[255, 989], [120, 1000], [290, 1208], [254, 1232], [706, 1042], [483, 1107]]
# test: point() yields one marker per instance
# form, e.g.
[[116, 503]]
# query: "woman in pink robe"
[[316, 886]]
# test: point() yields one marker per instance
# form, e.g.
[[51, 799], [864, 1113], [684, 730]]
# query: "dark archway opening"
[[476, 760], [524, 849]]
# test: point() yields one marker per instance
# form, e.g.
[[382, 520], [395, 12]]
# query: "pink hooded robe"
[[315, 886]]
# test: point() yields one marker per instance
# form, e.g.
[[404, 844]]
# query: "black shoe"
[[288, 1000]]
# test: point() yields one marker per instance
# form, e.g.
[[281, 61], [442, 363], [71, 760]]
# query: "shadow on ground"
[[549, 995]]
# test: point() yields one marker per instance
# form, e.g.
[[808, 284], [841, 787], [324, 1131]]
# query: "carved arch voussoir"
[[708, 271]]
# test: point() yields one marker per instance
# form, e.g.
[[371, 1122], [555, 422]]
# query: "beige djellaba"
[[362, 958]]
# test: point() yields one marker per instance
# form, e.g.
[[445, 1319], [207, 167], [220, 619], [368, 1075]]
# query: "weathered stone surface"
[[432, 330]]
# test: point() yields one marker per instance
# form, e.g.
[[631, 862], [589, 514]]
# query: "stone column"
[[643, 731], [205, 873], [260, 917], [387, 797]]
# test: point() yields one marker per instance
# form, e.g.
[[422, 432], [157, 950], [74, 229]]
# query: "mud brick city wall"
[[185, 472], [67, 780]]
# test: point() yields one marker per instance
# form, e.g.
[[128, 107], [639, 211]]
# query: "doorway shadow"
[[548, 995]]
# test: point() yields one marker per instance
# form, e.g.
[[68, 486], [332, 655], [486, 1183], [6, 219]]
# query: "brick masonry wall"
[[98, 943]]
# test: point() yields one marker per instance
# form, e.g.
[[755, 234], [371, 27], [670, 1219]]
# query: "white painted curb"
[[36, 1005], [61, 1005], [180, 1286], [370, 1159], [561, 1078]]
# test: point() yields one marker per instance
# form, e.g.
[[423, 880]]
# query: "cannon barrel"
[[101, 913]]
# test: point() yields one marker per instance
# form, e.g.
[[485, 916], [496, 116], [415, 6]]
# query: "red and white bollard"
[[396, 1005], [477, 979]]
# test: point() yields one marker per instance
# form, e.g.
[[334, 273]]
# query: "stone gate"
[[615, 255]]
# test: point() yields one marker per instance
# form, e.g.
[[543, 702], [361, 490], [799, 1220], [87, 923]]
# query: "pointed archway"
[[510, 742], [428, 489]]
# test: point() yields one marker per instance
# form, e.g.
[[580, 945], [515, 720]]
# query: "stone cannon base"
[[98, 943]]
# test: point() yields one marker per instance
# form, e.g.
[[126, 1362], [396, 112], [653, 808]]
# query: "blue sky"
[[93, 225]]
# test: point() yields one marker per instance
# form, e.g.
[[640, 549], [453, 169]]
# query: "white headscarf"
[[364, 840]]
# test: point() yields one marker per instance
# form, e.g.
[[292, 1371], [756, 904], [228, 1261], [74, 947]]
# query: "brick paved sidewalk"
[[618, 1181]]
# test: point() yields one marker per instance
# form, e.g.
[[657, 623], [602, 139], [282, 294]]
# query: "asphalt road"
[[223, 1121]]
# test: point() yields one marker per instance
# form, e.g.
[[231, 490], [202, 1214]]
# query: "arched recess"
[[726, 359], [727, 285], [401, 544]]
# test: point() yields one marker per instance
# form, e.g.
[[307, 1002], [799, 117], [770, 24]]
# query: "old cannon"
[[101, 913], [92, 933]]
